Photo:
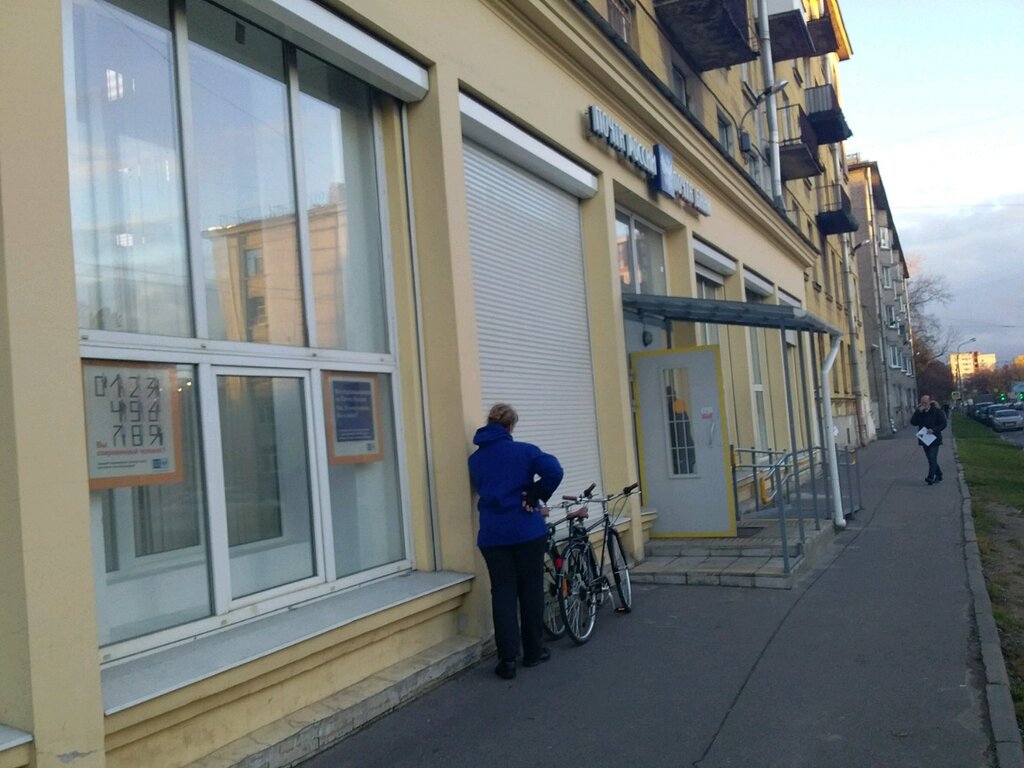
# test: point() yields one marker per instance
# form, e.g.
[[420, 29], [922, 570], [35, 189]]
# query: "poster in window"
[[132, 424], [352, 405]]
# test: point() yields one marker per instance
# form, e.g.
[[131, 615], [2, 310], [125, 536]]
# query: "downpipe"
[[830, 440]]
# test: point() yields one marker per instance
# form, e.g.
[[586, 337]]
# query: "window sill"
[[15, 747], [12, 737], [145, 677]]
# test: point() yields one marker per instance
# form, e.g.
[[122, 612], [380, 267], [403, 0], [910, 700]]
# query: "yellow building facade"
[[268, 265]]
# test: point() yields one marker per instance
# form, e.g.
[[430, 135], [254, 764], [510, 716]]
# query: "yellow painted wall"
[[48, 648]]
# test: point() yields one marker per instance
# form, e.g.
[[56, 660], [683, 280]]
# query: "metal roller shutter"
[[531, 310]]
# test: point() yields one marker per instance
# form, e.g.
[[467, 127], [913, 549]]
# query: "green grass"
[[994, 471], [993, 468]]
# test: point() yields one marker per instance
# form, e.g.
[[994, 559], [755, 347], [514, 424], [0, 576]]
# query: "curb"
[[1001, 714]]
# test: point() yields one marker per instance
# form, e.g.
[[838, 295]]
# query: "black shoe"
[[938, 479], [505, 669], [544, 655], [929, 479]]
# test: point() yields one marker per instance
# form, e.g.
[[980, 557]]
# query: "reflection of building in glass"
[[258, 285]]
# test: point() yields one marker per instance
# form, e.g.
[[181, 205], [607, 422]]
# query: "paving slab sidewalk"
[[872, 660]]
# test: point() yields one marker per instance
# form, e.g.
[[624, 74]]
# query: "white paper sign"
[[132, 424]]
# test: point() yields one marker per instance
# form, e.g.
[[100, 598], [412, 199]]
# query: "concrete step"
[[753, 558], [303, 734]]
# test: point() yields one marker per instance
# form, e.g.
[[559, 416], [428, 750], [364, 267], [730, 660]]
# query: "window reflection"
[[131, 261], [341, 192], [244, 178]]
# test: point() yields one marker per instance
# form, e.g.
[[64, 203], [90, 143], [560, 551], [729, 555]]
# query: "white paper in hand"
[[925, 436]]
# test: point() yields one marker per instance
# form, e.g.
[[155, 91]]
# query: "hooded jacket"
[[502, 470]]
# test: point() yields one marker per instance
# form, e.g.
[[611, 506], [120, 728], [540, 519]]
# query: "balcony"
[[828, 33], [711, 34], [826, 115], [836, 213], [798, 145], [788, 30]]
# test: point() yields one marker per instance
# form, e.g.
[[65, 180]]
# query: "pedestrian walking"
[[931, 420], [513, 480]]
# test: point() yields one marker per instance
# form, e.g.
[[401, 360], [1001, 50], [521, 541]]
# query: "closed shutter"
[[531, 310]]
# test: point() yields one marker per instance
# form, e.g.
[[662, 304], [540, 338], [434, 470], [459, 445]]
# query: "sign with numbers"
[[132, 424], [352, 405]]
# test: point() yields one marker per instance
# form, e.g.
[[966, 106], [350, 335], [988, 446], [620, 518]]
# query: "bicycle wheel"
[[577, 594], [554, 624], [622, 595]]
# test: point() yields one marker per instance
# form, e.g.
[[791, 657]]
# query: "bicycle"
[[554, 623], [584, 580]]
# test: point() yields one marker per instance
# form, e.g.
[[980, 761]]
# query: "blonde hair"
[[504, 414]]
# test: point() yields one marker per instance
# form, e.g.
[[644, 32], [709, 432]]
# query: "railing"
[[821, 98], [795, 127], [794, 482]]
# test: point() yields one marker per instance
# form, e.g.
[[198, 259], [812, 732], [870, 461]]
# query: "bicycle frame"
[[583, 579]]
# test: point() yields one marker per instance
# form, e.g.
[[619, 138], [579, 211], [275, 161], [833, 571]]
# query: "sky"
[[934, 93]]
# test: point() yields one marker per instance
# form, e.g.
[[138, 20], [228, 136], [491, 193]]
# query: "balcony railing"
[[835, 214], [798, 145], [826, 115], [712, 34]]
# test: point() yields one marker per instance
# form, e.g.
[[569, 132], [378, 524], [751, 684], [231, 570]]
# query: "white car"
[[1006, 418]]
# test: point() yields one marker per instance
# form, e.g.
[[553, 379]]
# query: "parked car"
[[988, 411], [1005, 419]]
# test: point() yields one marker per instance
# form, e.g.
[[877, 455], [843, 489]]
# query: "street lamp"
[[771, 90], [959, 370]]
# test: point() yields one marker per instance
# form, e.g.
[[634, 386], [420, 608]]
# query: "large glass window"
[[641, 252], [708, 288], [341, 198], [149, 537], [224, 189], [245, 199], [127, 205]]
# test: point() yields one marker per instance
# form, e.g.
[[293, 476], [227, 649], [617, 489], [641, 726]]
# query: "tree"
[[932, 342]]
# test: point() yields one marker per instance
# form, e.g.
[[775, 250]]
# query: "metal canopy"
[[694, 310]]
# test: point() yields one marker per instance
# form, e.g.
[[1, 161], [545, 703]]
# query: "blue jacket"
[[502, 470]]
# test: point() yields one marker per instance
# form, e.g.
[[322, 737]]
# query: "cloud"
[[979, 252]]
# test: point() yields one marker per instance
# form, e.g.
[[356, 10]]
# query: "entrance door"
[[683, 458]]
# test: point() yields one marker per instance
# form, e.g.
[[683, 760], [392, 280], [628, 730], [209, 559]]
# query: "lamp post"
[[959, 373]]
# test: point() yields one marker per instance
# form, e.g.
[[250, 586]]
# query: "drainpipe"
[[768, 68], [851, 320], [830, 440]]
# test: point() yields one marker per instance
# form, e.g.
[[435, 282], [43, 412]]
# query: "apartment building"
[[265, 265], [883, 273], [963, 365]]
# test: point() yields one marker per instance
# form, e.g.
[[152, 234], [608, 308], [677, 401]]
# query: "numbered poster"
[[132, 424], [352, 407]]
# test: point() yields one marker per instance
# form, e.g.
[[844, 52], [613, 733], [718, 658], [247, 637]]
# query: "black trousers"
[[517, 582], [931, 452]]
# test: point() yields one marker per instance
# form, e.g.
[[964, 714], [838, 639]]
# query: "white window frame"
[[212, 357], [633, 259]]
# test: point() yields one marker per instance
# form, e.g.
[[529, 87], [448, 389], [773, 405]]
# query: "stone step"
[[753, 558]]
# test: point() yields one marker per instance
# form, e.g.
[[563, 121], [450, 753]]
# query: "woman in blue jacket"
[[513, 481]]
